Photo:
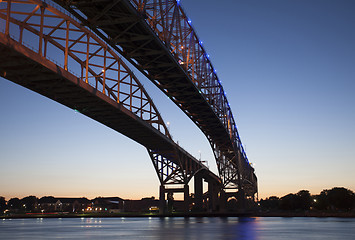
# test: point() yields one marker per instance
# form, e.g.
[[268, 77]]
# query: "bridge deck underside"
[[26, 68], [129, 31], [125, 28]]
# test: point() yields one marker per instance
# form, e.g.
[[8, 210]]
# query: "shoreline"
[[156, 215]]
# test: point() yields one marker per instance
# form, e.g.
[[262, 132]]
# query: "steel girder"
[[170, 172], [157, 37], [77, 50], [65, 61]]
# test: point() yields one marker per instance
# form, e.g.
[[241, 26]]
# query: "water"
[[179, 228]]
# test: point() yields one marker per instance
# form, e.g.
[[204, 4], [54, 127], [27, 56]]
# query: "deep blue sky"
[[288, 68]]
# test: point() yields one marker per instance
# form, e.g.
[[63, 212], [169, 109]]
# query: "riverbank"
[[307, 214], [143, 215], [125, 215]]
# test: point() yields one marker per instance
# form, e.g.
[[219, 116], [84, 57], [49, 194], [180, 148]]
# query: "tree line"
[[335, 199], [26, 204]]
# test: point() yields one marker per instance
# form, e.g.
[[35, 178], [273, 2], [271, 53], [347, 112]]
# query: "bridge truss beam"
[[89, 77], [157, 37]]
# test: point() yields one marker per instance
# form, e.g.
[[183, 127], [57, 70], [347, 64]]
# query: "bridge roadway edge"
[[174, 81], [73, 92], [65, 84], [26, 68], [69, 90]]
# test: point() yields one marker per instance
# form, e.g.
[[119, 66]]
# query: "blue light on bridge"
[[178, 2], [189, 21]]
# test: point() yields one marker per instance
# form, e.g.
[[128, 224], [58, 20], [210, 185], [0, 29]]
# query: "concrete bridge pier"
[[166, 204], [162, 202], [198, 182], [215, 197], [222, 201], [241, 199], [213, 190], [186, 198]]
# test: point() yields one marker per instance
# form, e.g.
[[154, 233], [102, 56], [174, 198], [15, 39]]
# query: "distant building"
[[143, 205], [47, 204], [52, 204], [108, 204], [150, 205]]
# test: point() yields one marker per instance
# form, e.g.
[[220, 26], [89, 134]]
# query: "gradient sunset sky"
[[288, 67]]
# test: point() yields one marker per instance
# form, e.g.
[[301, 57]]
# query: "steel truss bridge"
[[69, 51]]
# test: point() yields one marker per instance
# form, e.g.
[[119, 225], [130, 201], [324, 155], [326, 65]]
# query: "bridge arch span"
[[157, 37], [88, 76]]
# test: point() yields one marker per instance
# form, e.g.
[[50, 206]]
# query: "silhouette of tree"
[[14, 203], [271, 203], [289, 202], [321, 201], [304, 200], [2, 204], [341, 198], [46, 199], [29, 203], [298, 201], [337, 198]]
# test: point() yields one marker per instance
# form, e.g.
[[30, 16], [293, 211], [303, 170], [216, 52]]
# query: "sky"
[[288, 67]]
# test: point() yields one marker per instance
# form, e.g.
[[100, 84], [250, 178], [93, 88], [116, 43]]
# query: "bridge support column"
[[186, 198], [162, 202], [198, 192], [241, 200], [213, 196], [222, 201]]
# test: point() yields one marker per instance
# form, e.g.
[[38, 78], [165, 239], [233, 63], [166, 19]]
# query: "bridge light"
[[200, 42], [189, 21]]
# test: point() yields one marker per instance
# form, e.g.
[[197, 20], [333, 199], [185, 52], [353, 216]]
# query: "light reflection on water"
[[178, 228]]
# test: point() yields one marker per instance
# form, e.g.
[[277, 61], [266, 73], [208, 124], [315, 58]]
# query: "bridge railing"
[[49, 32], [173, 27]]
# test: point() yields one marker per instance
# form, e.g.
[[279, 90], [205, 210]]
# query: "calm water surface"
[[179, 228]]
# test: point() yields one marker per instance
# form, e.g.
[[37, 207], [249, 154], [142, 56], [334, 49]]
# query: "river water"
[[260, 228]]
